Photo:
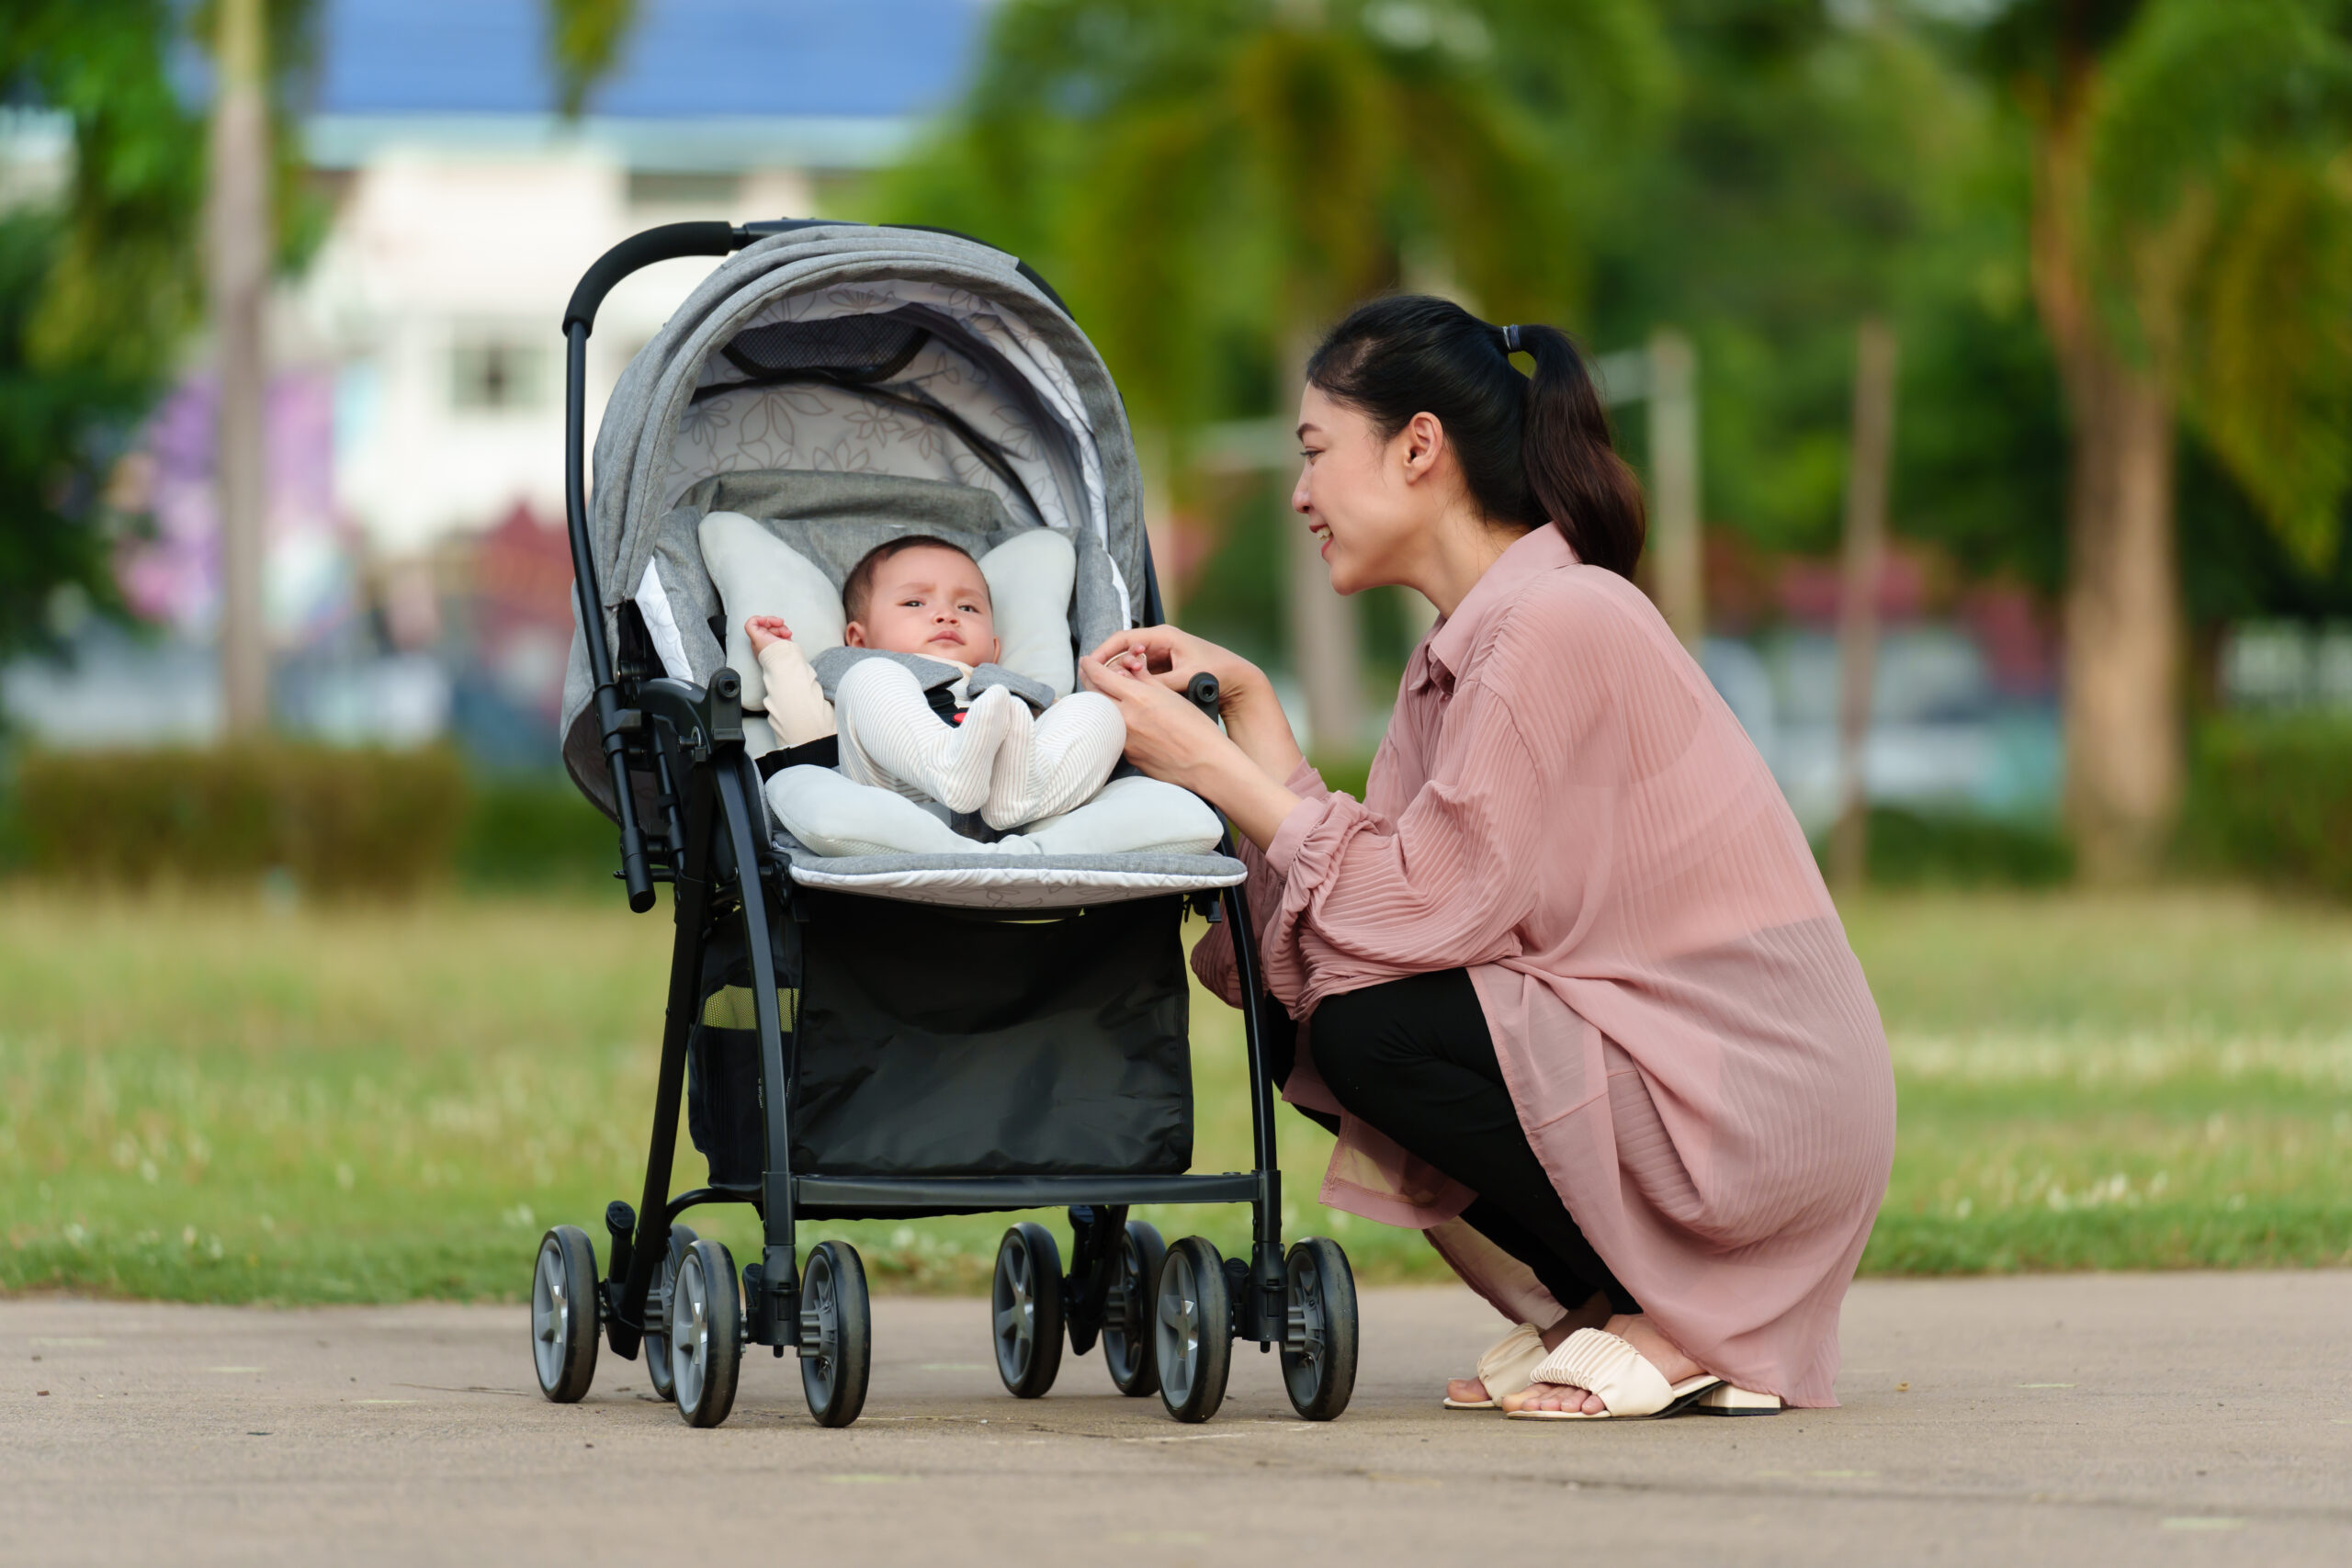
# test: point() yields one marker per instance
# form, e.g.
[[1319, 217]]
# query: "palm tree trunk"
[[1865, 553], [240, 278], [2122, 612], [2122, 619]]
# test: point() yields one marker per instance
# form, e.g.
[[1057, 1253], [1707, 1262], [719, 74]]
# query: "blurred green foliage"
[[1914, 850], [327, 821], [320, 821], [2270, 797]]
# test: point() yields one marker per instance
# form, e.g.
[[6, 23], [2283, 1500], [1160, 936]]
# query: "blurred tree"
[[99, 292], [1813, 171], [1215, 182], [585, 39], [95, 294], [2191, 250]]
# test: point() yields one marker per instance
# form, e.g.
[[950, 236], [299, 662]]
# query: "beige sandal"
[[1628, 1383], [1506, 1367], [1724, 1399]]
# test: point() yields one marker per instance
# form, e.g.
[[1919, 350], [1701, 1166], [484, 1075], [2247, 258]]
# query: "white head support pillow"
[[1029, 577]]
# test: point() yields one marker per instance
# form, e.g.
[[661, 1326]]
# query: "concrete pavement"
[[2151, 1419]]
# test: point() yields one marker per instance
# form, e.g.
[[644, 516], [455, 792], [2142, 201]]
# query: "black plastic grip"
[[1202, 691], [712, 238]]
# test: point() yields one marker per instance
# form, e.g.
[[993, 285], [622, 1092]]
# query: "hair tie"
[[1510, 340]]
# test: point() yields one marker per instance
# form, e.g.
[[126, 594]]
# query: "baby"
[[923, 596]]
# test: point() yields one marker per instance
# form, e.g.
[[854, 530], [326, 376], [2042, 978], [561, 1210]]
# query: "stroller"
[[889, 1035]]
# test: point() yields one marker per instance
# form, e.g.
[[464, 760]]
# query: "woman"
[[1567, 978]]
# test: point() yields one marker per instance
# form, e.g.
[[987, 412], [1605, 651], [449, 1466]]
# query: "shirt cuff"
[[1306, 782], [1291, 837]]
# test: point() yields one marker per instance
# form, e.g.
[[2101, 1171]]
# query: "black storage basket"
[[944, 1041]]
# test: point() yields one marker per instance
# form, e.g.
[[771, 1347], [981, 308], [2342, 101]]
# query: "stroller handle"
[[666, 243]]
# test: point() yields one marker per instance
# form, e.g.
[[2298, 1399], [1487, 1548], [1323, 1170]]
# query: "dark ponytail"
[[1532, 450]]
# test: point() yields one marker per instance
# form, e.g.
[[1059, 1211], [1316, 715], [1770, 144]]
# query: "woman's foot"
[[1653, 1346], [1593, 1314]]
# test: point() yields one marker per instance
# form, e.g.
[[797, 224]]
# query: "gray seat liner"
[[1011, 882]]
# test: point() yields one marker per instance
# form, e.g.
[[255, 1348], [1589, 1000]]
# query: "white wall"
[[431, 248]]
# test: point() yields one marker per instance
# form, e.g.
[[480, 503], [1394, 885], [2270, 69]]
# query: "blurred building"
[[1964, 695], [415, 421]]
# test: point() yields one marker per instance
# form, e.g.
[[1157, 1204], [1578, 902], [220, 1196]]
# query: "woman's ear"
[[1420, 445]]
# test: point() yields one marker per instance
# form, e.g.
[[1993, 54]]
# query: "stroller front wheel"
[[1127, 1313], [836, 1333], [563, 1314], [657, 1310], [1319, 1340], [1193, 1330], [706, 1334], [1025, 1301]]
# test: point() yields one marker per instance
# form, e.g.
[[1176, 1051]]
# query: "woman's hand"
[[1172, 658], [1170, 739], [1169, 657]]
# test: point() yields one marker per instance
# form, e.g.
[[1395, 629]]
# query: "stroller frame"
[[710, 842]]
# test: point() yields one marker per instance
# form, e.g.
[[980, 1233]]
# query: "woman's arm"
[[1246, 701], [1169, 738]]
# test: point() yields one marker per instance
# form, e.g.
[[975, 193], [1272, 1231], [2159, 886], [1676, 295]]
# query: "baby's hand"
[[765, 632]]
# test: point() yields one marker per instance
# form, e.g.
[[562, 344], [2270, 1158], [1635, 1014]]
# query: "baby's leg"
[[892, 739], [1131, 816], [834, 816], [1070, 751]]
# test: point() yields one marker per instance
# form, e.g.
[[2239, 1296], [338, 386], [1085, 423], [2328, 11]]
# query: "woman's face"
[[1372, 502]]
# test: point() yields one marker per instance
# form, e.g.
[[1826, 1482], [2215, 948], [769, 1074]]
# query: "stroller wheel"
[[706, 1334], [1127, 1313], [836, 1333], [563, 1314], [1192, 1331], [1027, 1302], [657, 1310], [1319, 1340]]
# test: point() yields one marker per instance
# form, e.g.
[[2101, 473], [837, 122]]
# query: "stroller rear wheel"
[[1193, 1330], [706, 1334], [1319, 1340], [563, 1314], [836, 1333], [1127, 1313], [1026, 1300], [666, 1291]]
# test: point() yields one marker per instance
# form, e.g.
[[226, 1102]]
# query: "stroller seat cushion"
[[758, 575], [835, 817], [998, 882]]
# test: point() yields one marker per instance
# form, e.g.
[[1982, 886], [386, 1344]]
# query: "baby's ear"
[[854, 636]]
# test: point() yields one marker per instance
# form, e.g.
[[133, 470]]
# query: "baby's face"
[[930, 602]]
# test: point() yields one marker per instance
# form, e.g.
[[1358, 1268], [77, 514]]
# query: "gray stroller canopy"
[[846, 349]]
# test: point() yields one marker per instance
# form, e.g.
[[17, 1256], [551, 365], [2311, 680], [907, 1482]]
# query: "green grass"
[[206, 1099]]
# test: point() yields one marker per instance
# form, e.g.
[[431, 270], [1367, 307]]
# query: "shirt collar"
[[1447, 648]]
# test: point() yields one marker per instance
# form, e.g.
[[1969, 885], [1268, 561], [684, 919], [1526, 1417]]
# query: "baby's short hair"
[[857, 590]]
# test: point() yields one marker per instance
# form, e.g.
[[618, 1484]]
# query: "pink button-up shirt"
[[1566, 808]]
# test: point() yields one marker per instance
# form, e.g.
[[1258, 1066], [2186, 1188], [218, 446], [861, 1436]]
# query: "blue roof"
[[684, 59]]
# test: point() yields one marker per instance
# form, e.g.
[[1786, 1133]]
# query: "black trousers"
[[1413, 1058]]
